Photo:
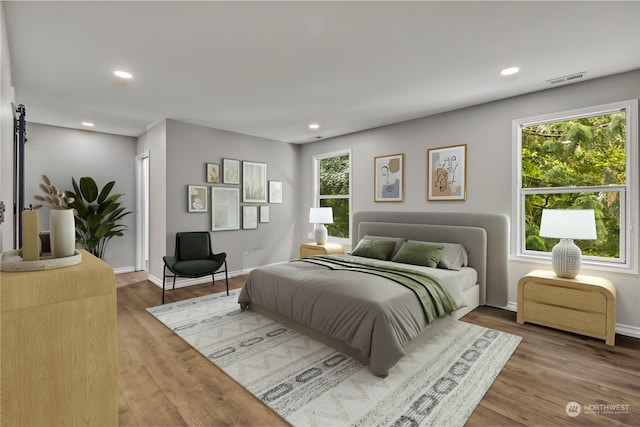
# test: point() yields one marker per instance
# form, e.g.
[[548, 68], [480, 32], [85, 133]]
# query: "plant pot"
[[62, 230]]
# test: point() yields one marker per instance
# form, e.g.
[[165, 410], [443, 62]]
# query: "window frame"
[[628, 261], [316, 189]]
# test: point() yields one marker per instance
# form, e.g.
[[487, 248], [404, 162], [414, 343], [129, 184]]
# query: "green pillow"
[[378, 249], [418, 254]]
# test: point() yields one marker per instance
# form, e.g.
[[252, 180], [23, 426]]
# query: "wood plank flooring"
[[164, 382]]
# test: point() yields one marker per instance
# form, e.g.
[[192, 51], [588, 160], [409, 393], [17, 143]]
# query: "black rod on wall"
[[19, 139]]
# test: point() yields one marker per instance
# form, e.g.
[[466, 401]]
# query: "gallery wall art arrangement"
[[239, 195]]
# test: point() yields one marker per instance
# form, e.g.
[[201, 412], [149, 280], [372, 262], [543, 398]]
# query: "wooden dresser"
[[58, 361], [312, 249], [585, 305]]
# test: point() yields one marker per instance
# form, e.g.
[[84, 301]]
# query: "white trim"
[[630, 214], [122, 270], [142, 194]]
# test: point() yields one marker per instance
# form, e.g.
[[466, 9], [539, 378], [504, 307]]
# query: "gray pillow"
[[417, 253], [454, 255], [398, 242], [378, 249]]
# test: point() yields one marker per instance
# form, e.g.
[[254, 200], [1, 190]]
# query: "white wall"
[[486, 129], [63, 153], [6, 136]]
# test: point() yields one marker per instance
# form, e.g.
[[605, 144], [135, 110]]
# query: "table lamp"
[[566, 225], [320, 217]]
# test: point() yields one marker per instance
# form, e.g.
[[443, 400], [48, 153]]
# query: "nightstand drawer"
[[565, 297], [582, 322], [308, 252], [584, 305]]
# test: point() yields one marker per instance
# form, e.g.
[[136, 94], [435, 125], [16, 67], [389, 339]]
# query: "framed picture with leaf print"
[[197, 195], [254, 182], [230, 171]]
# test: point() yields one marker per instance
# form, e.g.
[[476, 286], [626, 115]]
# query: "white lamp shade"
[[321, 216], [568, 224]]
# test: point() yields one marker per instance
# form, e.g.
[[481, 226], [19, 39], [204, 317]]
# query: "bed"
[[364, 314]]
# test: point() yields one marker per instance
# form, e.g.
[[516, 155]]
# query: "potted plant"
[[98, 214]]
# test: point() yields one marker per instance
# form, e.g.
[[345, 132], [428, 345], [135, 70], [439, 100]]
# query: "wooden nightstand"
[[585, 305], [311, 249]]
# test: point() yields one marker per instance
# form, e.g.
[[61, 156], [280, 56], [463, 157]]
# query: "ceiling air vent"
[[567, 79]]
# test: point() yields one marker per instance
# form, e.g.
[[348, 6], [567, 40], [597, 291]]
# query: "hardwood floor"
[[164, 382]]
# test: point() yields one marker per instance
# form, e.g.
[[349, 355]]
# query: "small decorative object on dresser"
[[585, 305], [312, 249], [61, 218]]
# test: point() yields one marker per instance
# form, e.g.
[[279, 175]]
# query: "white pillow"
[[454, 255]]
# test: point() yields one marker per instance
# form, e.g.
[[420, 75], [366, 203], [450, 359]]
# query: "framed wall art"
[[230, 171], [265, 213], [447, 173], [275, 191], [249, 217], [254, 182], [225, 208], [197, 198], [213, 173], [389, 178]]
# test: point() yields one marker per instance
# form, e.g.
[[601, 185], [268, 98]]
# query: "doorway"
[[142, 209]]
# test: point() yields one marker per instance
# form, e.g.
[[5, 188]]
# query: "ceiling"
[[269, 69]]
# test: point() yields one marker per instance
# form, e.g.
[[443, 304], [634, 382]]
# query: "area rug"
[[308, 383]]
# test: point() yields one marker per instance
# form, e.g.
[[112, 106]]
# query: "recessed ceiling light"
[[509, 71], [123, 74], [88, 124], [314, 126]]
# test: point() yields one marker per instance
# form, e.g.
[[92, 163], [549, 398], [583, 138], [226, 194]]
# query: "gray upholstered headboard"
[[455, 228]]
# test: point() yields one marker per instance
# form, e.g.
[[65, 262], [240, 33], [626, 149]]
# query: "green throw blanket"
[[436, 301]]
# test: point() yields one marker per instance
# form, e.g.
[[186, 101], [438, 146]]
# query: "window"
[[332, 173], [584, 159]]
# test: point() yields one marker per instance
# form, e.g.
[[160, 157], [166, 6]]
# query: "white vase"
[[62, 230]]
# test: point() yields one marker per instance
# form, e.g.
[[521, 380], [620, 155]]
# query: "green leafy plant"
[[98, 214]]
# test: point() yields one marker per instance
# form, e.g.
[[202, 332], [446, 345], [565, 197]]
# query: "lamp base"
[[566, 259], [321, 234]]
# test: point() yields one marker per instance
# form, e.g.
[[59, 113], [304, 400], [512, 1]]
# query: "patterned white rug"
[[310, 384]]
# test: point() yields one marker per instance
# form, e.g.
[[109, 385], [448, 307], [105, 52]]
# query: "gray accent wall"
[[188, 149], [487, 131], [62, 153]]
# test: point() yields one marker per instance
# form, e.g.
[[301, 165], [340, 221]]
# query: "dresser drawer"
[[582, 322], [566, 297]]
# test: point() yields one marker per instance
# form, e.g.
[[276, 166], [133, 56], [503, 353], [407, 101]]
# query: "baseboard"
[[122, 270], [182, 282], [626, 330]]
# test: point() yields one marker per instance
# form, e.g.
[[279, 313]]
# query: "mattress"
[[370, 314]]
